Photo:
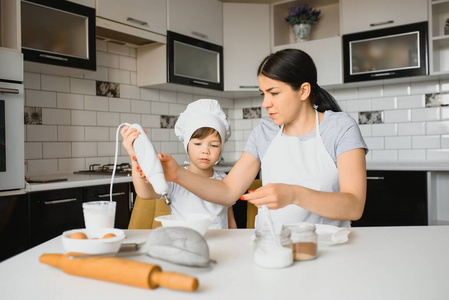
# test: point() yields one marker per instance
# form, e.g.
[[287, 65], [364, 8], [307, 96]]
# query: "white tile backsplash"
[[70, 101], [55, 83], [80, 128], [397, 116], [57, 150], [71, 133], [52, 116], [40, 98], [96, 103], [426, 142], [426, 114], [412, 101], [84, 117], [82, 86]]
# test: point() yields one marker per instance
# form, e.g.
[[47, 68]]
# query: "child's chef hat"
[[202, 113]]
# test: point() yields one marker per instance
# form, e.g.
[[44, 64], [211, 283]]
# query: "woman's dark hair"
[[294, 67]]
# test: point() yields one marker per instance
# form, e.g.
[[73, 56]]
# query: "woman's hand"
[[170, 166], [274, 195]]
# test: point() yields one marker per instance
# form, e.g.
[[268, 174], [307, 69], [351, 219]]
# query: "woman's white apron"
[[306, 163]]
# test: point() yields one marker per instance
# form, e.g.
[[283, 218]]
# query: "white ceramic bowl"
[[198, 222], [94, 244]]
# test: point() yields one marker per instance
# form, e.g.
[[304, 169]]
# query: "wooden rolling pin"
[[122, 271]]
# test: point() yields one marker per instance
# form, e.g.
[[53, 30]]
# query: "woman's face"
[[280, 100], [203, 153]]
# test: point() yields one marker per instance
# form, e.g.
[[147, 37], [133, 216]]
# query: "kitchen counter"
[[376, 263], [73, 180], [407, 166]]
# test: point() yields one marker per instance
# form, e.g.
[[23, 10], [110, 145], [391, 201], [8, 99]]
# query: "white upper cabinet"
[[148, 15], [365, 15], [246, 29], [200, 19], [327, 55]]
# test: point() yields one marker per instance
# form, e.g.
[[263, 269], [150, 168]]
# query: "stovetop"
[[123, 169]]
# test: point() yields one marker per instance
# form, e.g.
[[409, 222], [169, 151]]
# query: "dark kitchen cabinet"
[[395, 198], [53, 212], [13, 225], [120, 194]]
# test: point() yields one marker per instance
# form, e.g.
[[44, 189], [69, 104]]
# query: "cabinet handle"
[[53, 57], [199, 82], [113, 195], [8, 91], [248, 86], [201, 35], [375, 178], [60, 201], [132, 20], [381, 23]]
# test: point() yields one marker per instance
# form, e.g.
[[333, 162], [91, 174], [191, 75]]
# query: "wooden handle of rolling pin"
[[122, 271]]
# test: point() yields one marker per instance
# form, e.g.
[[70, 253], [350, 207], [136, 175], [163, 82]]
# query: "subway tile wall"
[[79, 128]]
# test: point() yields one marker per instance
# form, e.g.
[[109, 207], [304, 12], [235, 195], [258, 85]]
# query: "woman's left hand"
[[274, 195]]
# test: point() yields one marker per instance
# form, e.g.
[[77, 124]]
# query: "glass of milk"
[[99, 214]]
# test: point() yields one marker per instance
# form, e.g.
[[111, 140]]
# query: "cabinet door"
[[326, 53], [395, 198], [200, 19], [13, 225], [120, 194], [53, 212], [246, 44], [150, 15], [365, 15]]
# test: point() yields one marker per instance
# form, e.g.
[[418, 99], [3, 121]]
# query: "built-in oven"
[[12, 158]]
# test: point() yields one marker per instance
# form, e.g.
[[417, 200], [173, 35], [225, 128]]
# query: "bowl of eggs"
[[198, 222], [100, 241]]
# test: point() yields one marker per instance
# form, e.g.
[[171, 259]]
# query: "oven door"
[[12, 139]]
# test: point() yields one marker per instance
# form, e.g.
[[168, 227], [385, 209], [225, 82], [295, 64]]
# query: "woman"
[[312, 161]]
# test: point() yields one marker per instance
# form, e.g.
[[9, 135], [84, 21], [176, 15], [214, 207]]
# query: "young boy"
[[203, 128]]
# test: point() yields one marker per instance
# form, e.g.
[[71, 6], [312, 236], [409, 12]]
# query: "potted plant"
[[301, 18]]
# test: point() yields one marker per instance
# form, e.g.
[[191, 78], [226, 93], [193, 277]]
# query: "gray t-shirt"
[[339, 133]]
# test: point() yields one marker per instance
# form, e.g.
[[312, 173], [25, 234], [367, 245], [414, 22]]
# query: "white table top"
[[376, 263]]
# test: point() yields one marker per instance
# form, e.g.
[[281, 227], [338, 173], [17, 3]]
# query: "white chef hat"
[[202, 113]]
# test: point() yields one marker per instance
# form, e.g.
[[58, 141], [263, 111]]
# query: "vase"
[[302, 32]]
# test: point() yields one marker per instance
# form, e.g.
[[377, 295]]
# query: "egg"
[[108, 235], [78, 236]]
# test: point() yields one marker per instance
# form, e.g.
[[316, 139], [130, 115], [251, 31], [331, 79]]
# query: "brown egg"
[[108, 235], [78, 236]]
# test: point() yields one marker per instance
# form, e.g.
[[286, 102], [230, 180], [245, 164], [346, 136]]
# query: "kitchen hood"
[[126, 35]]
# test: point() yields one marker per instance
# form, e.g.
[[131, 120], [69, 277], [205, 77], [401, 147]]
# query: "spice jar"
[[304, 240], [273, 251]]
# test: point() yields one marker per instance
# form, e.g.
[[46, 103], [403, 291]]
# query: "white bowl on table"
[[198, 222], [94, 244]]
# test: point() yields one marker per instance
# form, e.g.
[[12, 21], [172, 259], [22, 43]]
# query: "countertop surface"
[[80, 180], [376, 263]]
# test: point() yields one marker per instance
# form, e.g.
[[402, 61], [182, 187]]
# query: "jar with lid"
[[304, 240], [273, 251]]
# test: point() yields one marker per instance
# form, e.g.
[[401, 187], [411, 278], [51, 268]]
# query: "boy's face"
[[204, 153]]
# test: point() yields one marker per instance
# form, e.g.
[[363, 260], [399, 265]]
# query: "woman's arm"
[[224, 192], [348, 204], [143, 188]]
